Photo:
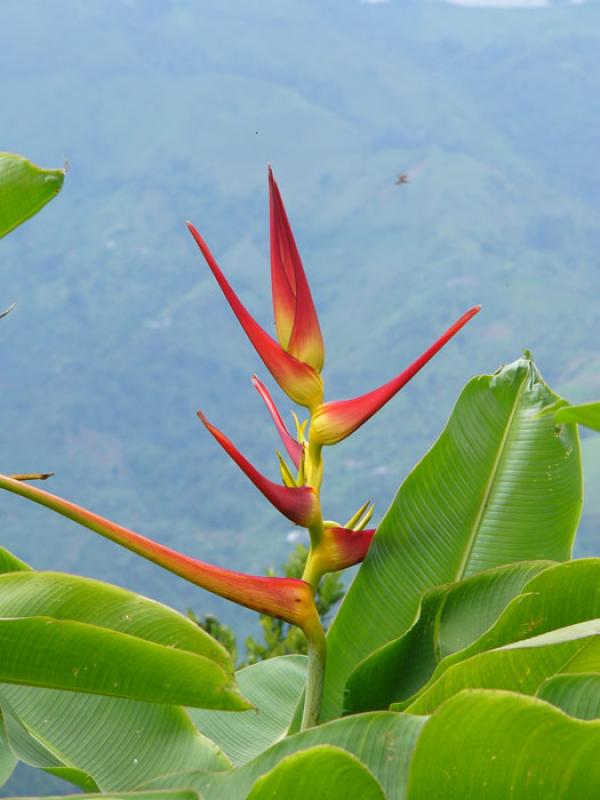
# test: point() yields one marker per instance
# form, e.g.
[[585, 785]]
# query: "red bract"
[[300, 504], [334, 421], [297, 379], [293, 447], [296, 319], [287, 598], [345, 547]]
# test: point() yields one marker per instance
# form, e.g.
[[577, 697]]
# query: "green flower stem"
[[312, 572], [313, 466], [317, 656]]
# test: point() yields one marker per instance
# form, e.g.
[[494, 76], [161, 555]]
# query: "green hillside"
[[168, 110]]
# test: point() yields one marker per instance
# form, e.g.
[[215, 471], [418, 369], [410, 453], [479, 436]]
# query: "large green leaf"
[[59, 654], [70, 597], [501, 745], [521, 667], [8, 760], [559, 596], [173, 794], [323, 772], [587, 414], [450, 618], [273, 687], [577, 695], [128, 741], [118, 743], [24, 189], [501, 484], [10, 562], [382, 741], [87, 641]]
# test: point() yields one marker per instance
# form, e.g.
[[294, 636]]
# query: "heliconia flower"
[[293, 447], [334, 421], [297, 379], [289, 599], [296, 319], [300, 504]]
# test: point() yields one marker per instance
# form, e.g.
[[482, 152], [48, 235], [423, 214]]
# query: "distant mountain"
[[171, 110]]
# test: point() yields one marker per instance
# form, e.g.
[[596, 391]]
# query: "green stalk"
[[317, 656]]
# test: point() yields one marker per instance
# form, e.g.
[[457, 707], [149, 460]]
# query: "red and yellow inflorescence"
[[295, 359]]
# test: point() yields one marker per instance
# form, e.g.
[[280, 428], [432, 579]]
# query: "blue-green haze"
[[171, 109]]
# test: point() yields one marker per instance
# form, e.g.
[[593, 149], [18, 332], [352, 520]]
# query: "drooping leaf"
[[450, 618], [587, 414], [501, 484], [520, 667], [10, 563], [118, 743], [76, 777], [173, 794], [32, 751], [559, 596], [486, 744], [128, 741], [383, 744], [577, 695], [86, 641], [326, 772], [24, 189], [273, 687], [8, 760], [70, 597], [61, 654]]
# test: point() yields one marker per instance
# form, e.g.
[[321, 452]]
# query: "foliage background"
[[171, 109]]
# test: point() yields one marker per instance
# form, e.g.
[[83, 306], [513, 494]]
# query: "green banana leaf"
[[326, 772], [450, 618], [129, 741], [382, 741], [118, 743], [587, 414], [77, 599], [557, 597], [520, 667], [485, 744], [31, 751], [8, 760], [273, 687], [24, 189], [59, 654], [174, 794], [65, 632], [577, 695], [10, 563], [501, 484]]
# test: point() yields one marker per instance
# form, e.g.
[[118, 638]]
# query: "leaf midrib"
[[490, 484]]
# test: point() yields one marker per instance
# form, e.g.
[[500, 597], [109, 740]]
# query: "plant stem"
[[317, 656]]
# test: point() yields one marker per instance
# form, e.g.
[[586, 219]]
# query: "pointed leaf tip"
[[299, 504], [297, 379], [333, 422], [293, 447], [296, 319]]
